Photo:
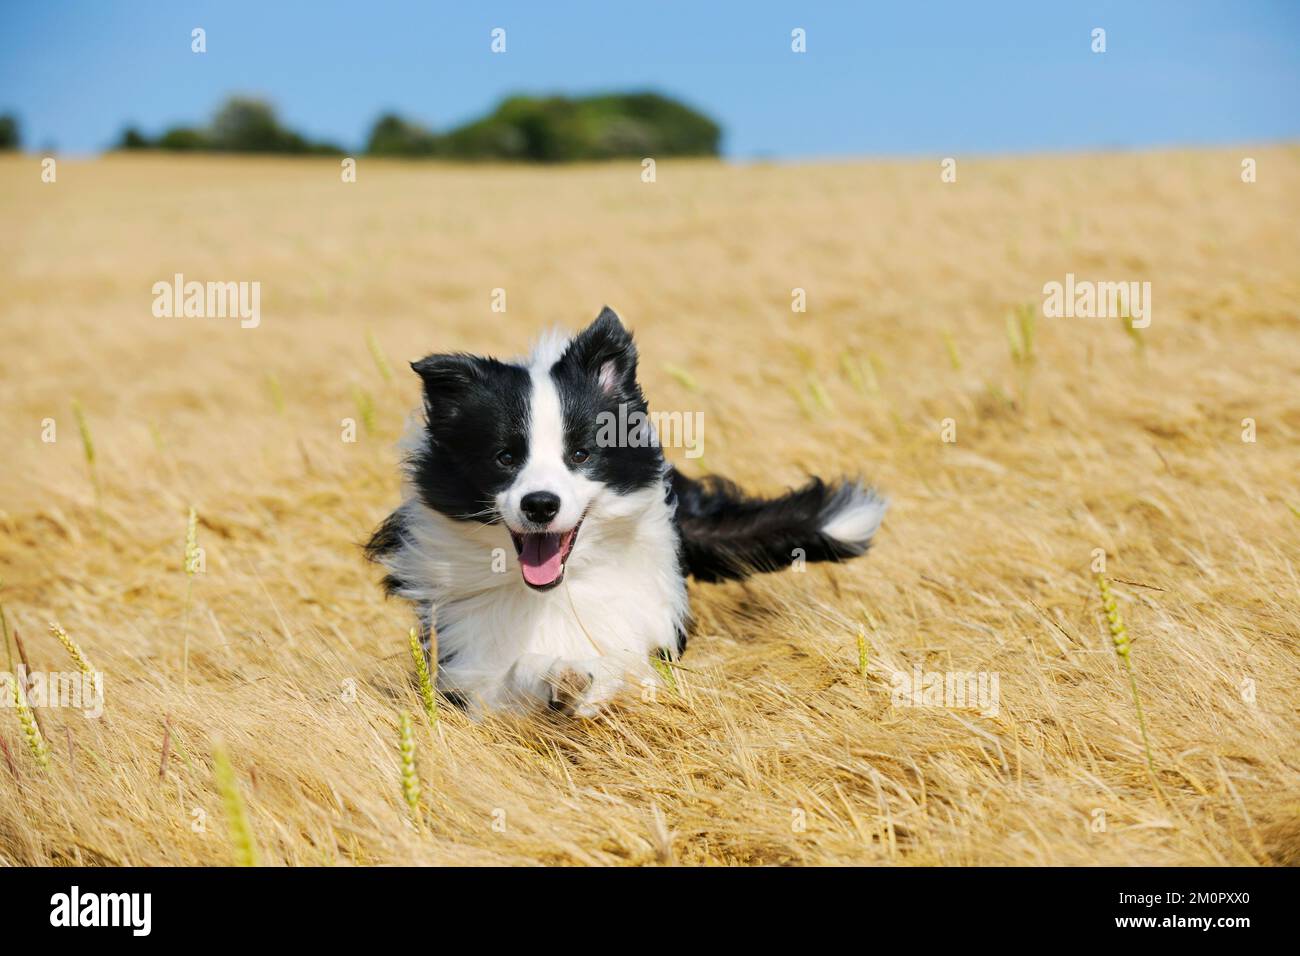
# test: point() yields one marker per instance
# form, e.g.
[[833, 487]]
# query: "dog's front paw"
[[579, 688], [568, 684]]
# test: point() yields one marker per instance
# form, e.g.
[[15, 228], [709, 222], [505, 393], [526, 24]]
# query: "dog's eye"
[[580, 456], [505, 459]]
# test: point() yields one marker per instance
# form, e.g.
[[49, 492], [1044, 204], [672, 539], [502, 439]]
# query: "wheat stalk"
[[365, 408], [410, 780], [1123, 649], [851, 369], [871, 374], [1020, 340], [663, 666], [1016, 342], [1134, 333], [28, 670], [87, 441], [819, 394], [381, 360], [241, 831], [4, 628], [683, 377], [31, 732], [277, 393], [88, 448], [864, 648], [422, 674], [73, 648], [951, 346], [156, 436], [802, 398]]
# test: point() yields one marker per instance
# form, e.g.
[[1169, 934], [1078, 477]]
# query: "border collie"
[[551, 564]]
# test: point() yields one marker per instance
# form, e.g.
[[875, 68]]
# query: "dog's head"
[[537, 446]]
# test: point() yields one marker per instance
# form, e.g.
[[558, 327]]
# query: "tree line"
[[547, 129]]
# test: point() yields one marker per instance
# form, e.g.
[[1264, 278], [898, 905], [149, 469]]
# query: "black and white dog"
[[551, 562]]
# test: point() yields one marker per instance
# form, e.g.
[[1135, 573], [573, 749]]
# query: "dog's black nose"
[[540, 507]]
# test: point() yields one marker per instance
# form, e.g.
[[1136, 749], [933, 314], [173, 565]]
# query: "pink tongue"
[[540, 558]]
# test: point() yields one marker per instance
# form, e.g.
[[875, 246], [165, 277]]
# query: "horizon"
[[922, 80]]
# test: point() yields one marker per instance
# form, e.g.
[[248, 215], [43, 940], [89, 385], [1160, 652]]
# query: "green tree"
[[561, 129], [132, 138], [394, 136], [10, 136], [244, 125]]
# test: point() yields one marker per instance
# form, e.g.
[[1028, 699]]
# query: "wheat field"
[[780, 743]]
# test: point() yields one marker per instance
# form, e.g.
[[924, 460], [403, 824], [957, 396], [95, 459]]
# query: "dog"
[[551, 562]]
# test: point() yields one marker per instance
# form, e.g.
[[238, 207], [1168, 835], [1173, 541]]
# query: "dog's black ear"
[[446, 380], [605, 351]]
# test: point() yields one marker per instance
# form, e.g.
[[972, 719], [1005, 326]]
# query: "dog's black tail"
[[727, 535]]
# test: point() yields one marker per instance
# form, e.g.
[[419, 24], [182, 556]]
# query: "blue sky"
[[879, 78]]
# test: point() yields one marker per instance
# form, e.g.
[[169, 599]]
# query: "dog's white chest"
[[622, 600]]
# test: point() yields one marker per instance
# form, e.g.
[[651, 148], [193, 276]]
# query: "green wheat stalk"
[[819, 394], [951, 345], [1123, 647], [73, 648], [381, 360], [1020, 340], [665, 670], [277, 392], [1139, 341], [88, 448], [87, 440], [1015, 343], [410, 779], [871, 373], [31, 732], [1028, 328], [805, 405], [365, 407], [241, 831], [851, 368], [685, 378], [159, 443], [422, 674]]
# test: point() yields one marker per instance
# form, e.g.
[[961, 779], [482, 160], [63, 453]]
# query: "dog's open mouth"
[[542, 555]]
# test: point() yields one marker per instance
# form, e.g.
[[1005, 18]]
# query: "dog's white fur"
[[505, 646]]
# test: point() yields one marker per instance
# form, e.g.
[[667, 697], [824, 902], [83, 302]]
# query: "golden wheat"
[[298, 661], [27, 720], [73, 648]]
